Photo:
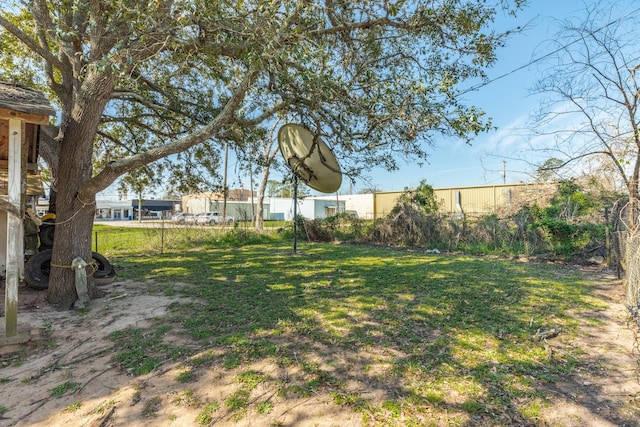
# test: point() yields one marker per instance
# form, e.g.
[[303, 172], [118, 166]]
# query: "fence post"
[[97, 241], [607, 238], [162, 238]]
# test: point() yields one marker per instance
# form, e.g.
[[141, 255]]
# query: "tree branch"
[[113, 170], [32, 45]]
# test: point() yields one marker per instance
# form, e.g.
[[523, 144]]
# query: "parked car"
[[183, 217], [211, 218]]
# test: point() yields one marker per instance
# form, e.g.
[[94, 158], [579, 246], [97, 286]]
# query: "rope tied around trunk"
[[93, 265]]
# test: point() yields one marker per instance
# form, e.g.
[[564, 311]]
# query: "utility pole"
[[504, 171]]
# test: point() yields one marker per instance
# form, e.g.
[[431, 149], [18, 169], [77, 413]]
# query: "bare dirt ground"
[[76, 350]]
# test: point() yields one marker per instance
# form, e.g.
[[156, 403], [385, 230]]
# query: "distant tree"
[[371, 189], [378, 80], [549, 170], [275, 188], [139, 181], [422, 198], [259, 152], [284, 188], [266, 161]]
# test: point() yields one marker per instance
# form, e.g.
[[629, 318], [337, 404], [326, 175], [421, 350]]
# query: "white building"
[[239, 205], [117, 210], [319, 207], [109, 210], [359, 205]]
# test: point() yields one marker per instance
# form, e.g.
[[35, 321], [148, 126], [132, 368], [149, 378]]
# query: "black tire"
[[46, 232], [37, 270], [105, 280], [104, 266]]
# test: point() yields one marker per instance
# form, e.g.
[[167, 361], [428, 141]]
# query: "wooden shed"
[[22, 112]]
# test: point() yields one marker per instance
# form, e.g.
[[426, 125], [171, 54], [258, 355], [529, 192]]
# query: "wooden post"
[[14, 228]]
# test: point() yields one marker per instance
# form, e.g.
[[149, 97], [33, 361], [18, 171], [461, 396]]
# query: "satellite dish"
[[309, 158]]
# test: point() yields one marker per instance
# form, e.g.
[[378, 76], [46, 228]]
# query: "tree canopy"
[[138, 81]]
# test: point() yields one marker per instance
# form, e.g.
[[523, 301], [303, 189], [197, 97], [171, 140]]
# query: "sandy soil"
[[605, 392]]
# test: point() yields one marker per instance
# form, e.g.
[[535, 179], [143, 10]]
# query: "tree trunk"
[[76, 209], [261, 192], [49, 150], [72, 239]]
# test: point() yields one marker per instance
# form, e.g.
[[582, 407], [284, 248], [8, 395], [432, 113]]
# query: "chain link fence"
[[162, 237], [625, 254], [625, 250]]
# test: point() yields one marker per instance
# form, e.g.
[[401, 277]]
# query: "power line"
[[540, 58]]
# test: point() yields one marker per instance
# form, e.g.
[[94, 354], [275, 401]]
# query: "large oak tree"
[[138, 81]]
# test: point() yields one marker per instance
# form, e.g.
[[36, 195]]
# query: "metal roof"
[[23, 99]]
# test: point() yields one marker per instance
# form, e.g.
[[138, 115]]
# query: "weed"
[[534, 409], [46, 329], [231, 361], [3, 409], [264, 408], [136, 397], [393, 407], [102, 407], [64, 388], [5, 380], [251, 379], [348, 399], [140, 352], [151, 407], [324, 379], [203, 358], [205, 417], [237, 400], [186, 376], [73, 407], [472, 407], [186, 398]]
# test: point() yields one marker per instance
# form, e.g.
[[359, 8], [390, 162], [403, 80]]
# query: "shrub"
[[407, 226]]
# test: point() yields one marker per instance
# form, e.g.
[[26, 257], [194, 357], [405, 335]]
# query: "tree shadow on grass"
[[399, 336]]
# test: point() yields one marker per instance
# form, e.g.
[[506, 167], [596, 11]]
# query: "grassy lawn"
[[440, 336]]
